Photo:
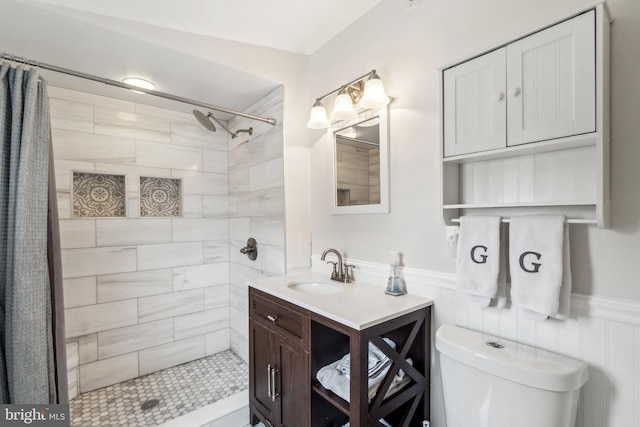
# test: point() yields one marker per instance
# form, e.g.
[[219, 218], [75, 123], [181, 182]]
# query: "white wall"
[[407, 48]]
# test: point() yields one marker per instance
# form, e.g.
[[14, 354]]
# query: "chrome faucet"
[[338, 273]]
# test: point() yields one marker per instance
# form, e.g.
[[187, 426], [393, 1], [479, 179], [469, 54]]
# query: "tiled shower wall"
[[256, 208], [142, 294]]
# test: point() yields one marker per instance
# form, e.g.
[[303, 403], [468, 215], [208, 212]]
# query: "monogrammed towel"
[[539, 265], [478, 258]]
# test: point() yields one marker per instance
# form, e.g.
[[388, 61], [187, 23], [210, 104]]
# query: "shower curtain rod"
[[136, 88]]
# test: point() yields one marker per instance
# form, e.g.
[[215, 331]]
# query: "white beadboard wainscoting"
[[603, 332]]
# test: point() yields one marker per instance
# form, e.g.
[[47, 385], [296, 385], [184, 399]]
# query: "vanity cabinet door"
[[293, 385], [279, 384], [262, 358], [475, 105], [551, 82]]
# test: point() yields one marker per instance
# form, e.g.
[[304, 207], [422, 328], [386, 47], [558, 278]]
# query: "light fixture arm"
[[346, 85]]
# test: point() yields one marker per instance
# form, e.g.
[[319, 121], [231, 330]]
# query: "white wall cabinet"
[[537, 88], [525, 126]]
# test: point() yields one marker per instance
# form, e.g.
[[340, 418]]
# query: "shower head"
[[204, 120]]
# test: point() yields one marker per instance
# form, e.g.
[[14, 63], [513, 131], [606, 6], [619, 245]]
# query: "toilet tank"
[[492, 382]]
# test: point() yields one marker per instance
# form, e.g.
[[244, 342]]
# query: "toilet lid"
[[511, 360]]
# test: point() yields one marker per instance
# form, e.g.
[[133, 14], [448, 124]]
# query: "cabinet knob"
[[514, 91], [498, 96]]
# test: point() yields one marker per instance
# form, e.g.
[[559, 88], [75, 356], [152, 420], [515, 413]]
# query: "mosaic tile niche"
[[98, 195], [160, 197]]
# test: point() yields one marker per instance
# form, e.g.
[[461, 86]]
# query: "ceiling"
[[84, 36], [300, 26]]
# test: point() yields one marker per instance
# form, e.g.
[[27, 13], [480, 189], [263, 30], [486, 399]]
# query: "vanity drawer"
[[272, 311]]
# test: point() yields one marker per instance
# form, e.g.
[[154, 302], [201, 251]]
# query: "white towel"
[[539, 265], [377, 360], [331, 378], [500, 299], [478, 258]]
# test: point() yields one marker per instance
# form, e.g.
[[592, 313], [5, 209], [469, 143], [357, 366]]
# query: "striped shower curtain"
[[31, 321]]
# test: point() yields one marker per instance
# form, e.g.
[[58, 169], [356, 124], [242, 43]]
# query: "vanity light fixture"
[[139, 82], [356, 93]]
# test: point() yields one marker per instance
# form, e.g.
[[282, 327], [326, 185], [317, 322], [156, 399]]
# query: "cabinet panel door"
[[551, 82], [293, 385], [262, 356], [474, 105]]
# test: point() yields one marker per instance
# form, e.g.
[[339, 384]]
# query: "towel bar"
[[569, 221]]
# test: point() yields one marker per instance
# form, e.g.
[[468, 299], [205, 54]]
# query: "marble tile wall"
[[256, 208], [143, 294]]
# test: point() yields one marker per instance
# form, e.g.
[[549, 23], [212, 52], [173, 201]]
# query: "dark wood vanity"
[[289, 343]]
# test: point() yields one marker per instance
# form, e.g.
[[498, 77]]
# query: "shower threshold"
[[178, 391]]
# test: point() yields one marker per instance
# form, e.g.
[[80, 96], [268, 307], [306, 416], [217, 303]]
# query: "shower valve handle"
[[251, 250]]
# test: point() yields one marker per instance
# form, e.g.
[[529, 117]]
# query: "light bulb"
[[137, 81]]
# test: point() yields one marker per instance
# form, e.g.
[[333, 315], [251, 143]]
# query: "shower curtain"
[[31, 310]]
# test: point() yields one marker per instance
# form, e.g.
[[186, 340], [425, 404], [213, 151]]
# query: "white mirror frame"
[[383, 206]]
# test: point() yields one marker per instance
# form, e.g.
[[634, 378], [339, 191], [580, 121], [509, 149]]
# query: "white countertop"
[[358, 305]]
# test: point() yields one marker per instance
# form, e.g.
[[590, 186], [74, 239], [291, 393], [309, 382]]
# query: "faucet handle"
[[348, 277], [335, 264]]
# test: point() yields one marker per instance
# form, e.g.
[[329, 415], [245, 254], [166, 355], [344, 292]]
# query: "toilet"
[[491, 382]]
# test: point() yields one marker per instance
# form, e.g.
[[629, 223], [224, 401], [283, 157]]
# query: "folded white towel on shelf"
[[377, 360], [398, 382], [478, 258], [539, 265], [331, 378]]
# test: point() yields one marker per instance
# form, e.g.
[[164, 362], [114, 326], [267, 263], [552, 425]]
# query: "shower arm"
[[115, 83], [233, 134]]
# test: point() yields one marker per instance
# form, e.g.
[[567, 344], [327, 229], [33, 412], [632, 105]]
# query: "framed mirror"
[[360, 153]]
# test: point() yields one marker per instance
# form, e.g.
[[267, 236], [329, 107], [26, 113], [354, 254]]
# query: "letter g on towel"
[[536, 265], [483, 257]]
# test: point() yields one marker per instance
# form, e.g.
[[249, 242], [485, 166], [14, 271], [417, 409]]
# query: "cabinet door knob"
[[273, 319], [514, 91], [498, 96]]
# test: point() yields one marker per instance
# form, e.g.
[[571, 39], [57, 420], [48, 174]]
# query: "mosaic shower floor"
[[178, 390]]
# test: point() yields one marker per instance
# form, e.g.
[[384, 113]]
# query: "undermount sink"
[[314, 287]]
